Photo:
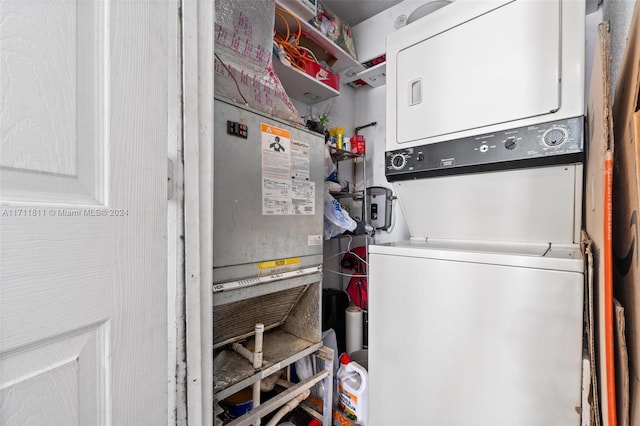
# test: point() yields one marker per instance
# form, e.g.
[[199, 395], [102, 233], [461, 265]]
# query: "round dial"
[[510, 143], [398, 161], [555, 136]]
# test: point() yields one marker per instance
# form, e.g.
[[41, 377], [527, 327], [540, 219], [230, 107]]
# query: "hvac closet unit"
[[268, 244], [267, 254]]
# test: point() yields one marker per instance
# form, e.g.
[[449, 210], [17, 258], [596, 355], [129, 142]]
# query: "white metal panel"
[[485, 89], [244, 235], [461, 343], [501, 66], [534, 205], [83, 294]]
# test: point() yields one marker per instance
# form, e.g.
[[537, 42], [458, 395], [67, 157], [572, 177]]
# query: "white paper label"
[[300, 153], [286, 189], [303, 197], [276, 196], [314, 240]]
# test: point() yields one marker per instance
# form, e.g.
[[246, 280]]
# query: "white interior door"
[[83, 169]]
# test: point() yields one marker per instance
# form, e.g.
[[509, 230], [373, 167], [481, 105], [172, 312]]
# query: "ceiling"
[[356, 11]]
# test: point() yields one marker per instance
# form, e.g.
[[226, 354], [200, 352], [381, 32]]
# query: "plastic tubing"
[[243, 351], [257, 363], [289, 407]]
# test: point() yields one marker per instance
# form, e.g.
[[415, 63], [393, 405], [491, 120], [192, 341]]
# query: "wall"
[[370, 106], [340, 111]]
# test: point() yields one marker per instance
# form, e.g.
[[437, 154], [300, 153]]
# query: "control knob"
[[510, 143], [554, 136], [398, 161]]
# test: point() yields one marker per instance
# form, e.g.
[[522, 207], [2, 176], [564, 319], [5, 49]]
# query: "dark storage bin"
[[334, 304]]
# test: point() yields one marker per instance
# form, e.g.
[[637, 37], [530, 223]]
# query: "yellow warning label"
[[279, 262], [277, 266]]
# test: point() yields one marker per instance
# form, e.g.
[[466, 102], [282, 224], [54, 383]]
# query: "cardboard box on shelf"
[[318, 70], [626, 205], [322, 74]]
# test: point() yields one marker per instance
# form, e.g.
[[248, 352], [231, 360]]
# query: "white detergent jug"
[[353, 390]]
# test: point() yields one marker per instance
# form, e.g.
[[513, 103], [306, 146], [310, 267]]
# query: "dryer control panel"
[[557, 142]]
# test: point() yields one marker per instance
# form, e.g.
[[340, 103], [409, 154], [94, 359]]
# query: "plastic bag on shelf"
[[330, 169], [243, 55], [336, 220]]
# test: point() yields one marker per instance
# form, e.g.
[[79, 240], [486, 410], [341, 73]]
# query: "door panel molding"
[[55, 104], [64, 378]]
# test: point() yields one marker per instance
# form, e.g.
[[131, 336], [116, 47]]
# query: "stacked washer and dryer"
[[477, 319]]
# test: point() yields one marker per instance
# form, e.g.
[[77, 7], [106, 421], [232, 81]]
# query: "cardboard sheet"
[[598, 198], [622, 370], [594, 398], [626, 192]]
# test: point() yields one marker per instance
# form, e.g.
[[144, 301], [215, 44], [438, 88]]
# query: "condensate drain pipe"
[[257, 363], [255, 358], [243, 351], [257, 352]]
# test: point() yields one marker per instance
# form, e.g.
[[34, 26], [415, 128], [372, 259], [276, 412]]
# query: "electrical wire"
[[286, 25], [310, 53], [234, 79], [289, 44]]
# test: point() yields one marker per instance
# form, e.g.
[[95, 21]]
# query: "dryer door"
[[500, 66]]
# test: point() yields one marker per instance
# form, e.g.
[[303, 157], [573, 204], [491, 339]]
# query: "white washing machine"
[[475, 333]]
